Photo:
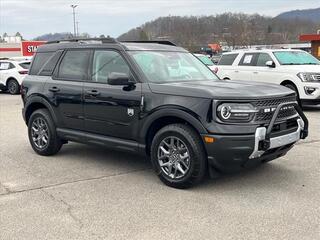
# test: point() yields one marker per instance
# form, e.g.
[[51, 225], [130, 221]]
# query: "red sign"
[[28, 48]]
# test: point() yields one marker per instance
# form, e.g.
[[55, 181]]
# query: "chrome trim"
[[276, 141]]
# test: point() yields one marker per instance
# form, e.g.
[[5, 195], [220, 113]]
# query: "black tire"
[[54, 143], [293, 87], [197, 160], [13, 86]]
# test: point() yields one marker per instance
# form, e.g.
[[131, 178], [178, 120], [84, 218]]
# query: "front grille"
[[267, 107]]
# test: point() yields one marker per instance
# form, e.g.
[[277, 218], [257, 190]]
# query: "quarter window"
[[74, 65], [107, 62], [227, 59], [39, 60]]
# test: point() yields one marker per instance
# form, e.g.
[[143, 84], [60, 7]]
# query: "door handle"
[[54, 89], [255, 72], [236, 71], [93, 93]]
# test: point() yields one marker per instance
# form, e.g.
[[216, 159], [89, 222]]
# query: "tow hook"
[[264, 145], [304, 134]]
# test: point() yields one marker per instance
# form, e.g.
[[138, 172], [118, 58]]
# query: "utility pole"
[[74, 19]]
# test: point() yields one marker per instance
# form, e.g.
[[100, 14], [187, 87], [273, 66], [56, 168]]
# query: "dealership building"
[[315, 43], [16, 47]]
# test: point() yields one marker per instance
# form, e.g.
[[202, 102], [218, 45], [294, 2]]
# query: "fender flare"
[[181, 113], [38, 99]]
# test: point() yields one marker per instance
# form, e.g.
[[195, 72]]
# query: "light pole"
[[74, 19], [77, 28]]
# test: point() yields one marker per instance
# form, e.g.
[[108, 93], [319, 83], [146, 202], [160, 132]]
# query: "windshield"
[[295, 58], [163, 67], [205, 60]]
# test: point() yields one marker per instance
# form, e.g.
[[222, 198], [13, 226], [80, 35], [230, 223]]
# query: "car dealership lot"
[[87, 192]]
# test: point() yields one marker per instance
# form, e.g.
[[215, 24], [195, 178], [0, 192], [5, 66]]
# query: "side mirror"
[[270, 64], [119, 79]]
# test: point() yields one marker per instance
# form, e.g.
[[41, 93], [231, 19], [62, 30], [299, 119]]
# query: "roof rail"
[[103, 40], [164, 42]]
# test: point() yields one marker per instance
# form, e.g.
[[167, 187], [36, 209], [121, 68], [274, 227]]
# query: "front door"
[[111, 110]]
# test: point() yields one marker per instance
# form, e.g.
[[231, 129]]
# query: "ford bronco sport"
[[157, 99]]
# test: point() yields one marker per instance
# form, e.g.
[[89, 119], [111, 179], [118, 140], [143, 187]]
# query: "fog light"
[[309, 90]]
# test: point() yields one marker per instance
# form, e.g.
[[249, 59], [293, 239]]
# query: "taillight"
[[23, 72], [216, 69]]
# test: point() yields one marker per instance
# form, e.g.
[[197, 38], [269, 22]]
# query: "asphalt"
[[86, 192]]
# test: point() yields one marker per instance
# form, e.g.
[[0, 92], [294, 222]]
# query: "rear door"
[[246, 67], [111, 110], [65, 88], [5, 71]]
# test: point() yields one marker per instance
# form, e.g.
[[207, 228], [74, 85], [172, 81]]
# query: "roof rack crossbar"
[[164, 42], [103, 40]]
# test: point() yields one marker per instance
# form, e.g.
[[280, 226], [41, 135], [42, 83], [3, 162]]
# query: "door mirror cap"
[[270, 64], [119, 79]]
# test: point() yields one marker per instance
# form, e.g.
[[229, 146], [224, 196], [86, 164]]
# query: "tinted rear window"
[[39, 60], [227, 59], [25, 65]]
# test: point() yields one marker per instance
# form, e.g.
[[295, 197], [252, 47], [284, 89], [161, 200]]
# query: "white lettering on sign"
[[31, 49]]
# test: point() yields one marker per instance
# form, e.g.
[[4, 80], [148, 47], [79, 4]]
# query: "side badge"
[[130, 112]]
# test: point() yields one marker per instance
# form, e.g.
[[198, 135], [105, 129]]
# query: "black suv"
[[157, 99]]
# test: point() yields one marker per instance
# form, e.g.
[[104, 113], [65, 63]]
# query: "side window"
[[74, 65], [227, 59], [47, 69], [39, 60], [248, 59], [107, 62], [4, 66], [262, 59]]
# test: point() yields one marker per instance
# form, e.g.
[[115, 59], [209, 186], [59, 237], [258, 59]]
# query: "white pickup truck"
[[295, 69]]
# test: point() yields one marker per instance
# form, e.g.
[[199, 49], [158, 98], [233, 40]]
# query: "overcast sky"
[[36, 17]]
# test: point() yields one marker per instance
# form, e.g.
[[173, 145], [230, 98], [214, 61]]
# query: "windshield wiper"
[[292, 64], [312, 63]]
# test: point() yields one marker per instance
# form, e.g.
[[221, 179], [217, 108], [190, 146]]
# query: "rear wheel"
[[42, 133], [13, 86], [178, 156]]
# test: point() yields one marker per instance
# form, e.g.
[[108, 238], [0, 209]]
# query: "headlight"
[[308, 77], [236, 112]]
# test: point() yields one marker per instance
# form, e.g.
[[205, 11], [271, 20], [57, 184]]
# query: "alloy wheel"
[[173, 157], [40, 133]]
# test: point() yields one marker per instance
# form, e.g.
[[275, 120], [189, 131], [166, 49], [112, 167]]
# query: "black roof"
[[112, 43]]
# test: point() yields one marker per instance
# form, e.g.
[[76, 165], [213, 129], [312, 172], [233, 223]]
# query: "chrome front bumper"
[[275, 142]]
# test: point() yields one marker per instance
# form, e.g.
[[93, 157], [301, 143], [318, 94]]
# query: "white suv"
[[12, 73], [295, 69]]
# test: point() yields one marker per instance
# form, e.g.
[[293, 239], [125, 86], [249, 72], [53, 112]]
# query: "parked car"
[[12, 73], [206, 60], [156, 99], [295, 69]]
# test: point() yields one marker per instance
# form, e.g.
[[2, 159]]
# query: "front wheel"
[[13, 86], [42, 133], [178, 156], [292, 87]]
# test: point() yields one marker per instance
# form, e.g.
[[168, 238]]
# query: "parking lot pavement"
[[86, 192]]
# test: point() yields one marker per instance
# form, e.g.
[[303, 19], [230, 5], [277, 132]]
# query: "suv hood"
[[300, 68], [221, 89]]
